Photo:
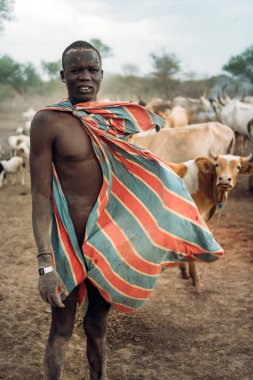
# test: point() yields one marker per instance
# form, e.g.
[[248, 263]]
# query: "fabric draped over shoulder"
[[144, 219]]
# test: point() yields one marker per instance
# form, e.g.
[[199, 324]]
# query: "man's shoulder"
[[44, 116], [48, 117], [45, 124]]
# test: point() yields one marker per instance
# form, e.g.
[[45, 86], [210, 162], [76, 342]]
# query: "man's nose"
[[84, 75]]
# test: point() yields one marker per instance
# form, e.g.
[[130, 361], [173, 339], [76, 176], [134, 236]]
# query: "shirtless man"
[[59, 137], [85, 220]]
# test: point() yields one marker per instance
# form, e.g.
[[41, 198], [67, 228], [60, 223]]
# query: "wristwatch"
[[45, 270]]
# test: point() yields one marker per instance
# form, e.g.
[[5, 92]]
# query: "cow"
[[24, 149], [183, 144], [209, 180], [176, 118], [248, 99], [158, 106], [29, 114], [195, 107], [12, 166], [14, 141], [250, 129], [237, 116]]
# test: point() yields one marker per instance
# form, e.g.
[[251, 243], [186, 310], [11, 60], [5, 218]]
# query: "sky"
[[203, 34]]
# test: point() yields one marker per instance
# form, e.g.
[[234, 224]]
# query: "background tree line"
[[163, 81]]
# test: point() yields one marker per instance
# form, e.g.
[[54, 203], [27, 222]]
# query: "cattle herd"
[[13, 162], [193, 128], [204, 141]]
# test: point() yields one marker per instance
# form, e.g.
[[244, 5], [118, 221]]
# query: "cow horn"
[[223, 90], [246, 159], [236, 91], [220, 101], [225, 96]]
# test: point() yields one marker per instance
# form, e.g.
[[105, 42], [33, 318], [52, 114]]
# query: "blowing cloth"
[[143, 221]]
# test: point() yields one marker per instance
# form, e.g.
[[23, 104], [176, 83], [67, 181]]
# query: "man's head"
[[82, 71]]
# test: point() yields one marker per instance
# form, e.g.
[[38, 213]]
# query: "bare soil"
[[177, 335]]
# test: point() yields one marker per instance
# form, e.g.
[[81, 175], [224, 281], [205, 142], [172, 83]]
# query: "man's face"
[[82, 74]]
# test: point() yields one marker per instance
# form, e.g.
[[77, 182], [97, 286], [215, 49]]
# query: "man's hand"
[[48, 288]]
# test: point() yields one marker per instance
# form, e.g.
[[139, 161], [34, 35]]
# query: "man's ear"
[[205, 164], [102, 71], [62, 76]]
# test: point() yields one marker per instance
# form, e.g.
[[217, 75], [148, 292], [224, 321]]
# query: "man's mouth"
[[85, 89]]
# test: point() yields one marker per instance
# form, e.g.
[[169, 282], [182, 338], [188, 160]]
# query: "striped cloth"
[[144, 219]]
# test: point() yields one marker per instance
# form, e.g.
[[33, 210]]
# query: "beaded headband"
[[81, 49]]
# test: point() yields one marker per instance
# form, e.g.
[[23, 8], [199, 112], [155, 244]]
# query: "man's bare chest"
[[72, 141]]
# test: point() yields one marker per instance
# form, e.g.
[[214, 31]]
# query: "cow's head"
[[23, 150], [226, 167]]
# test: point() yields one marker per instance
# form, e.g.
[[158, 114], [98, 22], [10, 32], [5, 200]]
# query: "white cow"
[[29, 114], [182, 144], [14, 141], [23, 149], [12, 166], [236, 115]]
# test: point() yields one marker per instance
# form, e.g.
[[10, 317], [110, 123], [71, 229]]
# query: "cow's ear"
[[205, 164], [247, 168]]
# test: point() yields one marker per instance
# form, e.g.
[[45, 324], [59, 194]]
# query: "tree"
[[166, 66], [6, 7], [51, 68], [19, 76], [130, 70], [30, 76], [11, 73], [104, 50], [241, 65]]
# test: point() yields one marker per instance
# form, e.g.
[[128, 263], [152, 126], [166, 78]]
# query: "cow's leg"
[[61, 330], [184, 270], [95, 328], [195, 276], [22, 176], [240, 142], [13, 177], [2, 178], [251, 183]]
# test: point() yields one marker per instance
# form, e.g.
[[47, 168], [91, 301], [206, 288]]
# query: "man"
[[116, 216]]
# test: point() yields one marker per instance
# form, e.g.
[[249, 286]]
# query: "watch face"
[[41, 271]]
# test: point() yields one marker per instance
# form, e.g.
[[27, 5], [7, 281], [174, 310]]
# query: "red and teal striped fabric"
[[144, 219]]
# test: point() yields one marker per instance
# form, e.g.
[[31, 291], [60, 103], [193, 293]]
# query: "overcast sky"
[[203, 34]]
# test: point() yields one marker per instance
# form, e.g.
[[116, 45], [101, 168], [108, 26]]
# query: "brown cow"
[[209, 180]]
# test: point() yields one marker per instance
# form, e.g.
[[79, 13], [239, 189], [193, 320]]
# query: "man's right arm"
[[42, 139]]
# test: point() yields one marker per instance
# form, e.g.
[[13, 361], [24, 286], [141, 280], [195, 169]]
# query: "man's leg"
[[60, 332], [95, 328]]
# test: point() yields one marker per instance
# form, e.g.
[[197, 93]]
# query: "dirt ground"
[[177, 335]]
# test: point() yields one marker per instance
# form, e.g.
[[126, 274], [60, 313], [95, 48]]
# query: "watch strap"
[[45, 270]]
